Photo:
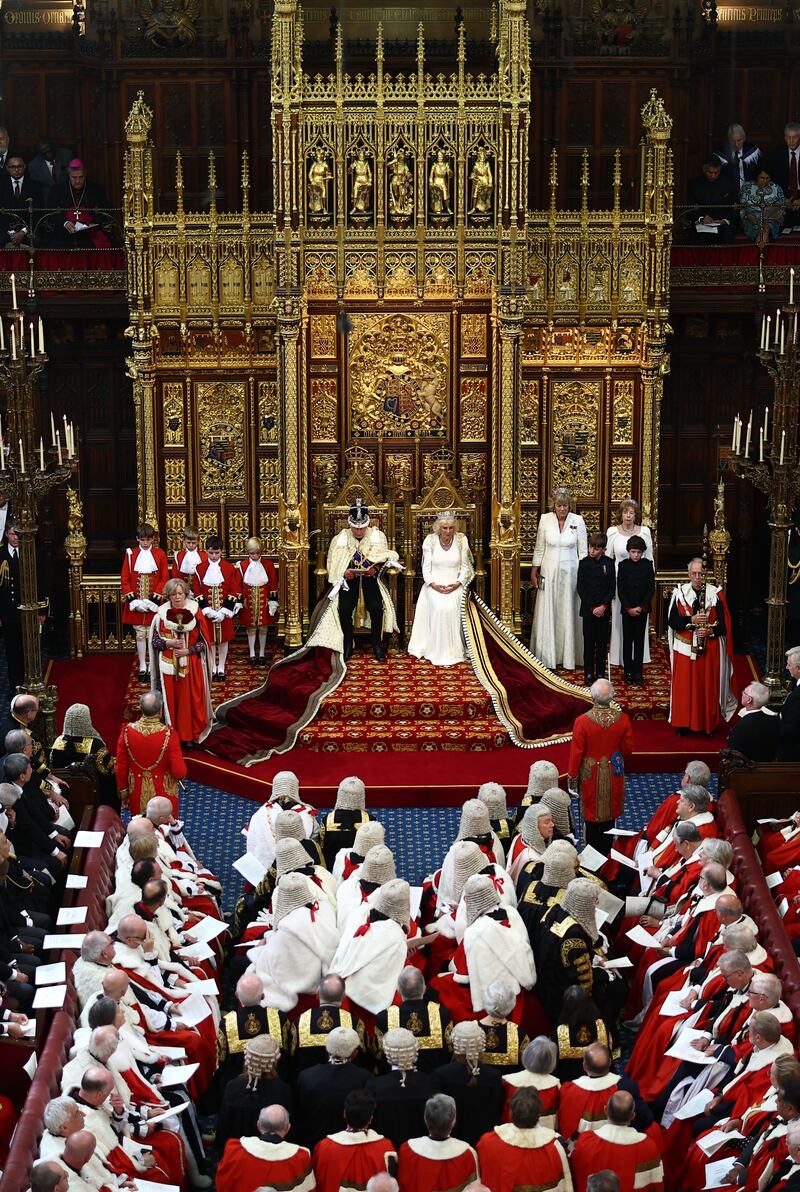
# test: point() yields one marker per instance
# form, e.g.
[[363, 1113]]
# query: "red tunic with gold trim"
[[189, 576], [436, 1165], [633, 1156], [602, 741], [184, 680], [142, 585], [345, 1161], [256, 597], [218, 596], [701, 692], [509, 1157], [250, 1163], [149, 763]]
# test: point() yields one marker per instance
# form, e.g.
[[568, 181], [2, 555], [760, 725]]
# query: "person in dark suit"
[[426, 1019], [793, 582], [320, 1091], [49, 167], [402, 1093], [755, 733], [83, 217], [784, 169], [595, 586], [636, 587], [740, 159], [20, 201], [789, 733], [713, 196], [476, 1090], [10, 616], [4, 147]]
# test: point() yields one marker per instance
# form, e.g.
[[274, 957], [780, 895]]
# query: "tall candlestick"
[[41, 452], [791, 287], [41, 336], [733, 437], [58, 446], [766, 422], [53, 428], [777, 325], [2, 337], [749, 431], [761, 444], [783, 345], [794, 333], [21, 458], [766, 337], [33, 343], [738, 434], [13, 292], [72, 437], [762, 345], [66, 435], [13, 343], [783, 445]]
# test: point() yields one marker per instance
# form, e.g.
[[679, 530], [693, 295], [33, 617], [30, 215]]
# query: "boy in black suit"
[[596, 592], [636, 587]]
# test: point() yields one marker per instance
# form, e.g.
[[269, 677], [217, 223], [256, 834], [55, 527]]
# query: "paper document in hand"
[[695, 1105], [641, 936], [177, 1074], [591, 858], [415, 898], [716, 1173], [620, 832], [30, 1067], [208, 987], [199, 951], [208, 929], [194, 1010], [621, 962], [150, 1186], [774, 879], [51, 974], [251, 869], [616, 855], [49, 997], [610, 904], [173, 1111], [172, 1053], [681, 1048], [710, 1143], [71, 914], [645, 860], [671, 1006]]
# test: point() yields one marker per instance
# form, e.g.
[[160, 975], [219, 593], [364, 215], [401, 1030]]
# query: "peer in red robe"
[[345, 1161], [266, 1162], [179, 638], [436, 1164], [633, 1156], [701, 647], [602, 742], [511, 1155]]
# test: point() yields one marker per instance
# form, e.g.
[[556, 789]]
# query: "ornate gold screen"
[[402, 299]]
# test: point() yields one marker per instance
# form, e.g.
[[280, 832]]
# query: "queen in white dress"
[[561, 542], [617, 549], [447, 570]]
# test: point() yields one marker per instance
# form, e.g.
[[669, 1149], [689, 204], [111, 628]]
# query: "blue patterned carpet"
[[419, 837]]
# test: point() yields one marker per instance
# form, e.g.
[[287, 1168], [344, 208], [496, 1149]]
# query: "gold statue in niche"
[[319, 177], [361, 193], [482, 185], [399, 369], [439, 188], [401, 189]]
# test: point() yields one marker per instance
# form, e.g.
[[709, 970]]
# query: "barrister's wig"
[[401, 1048], [285, 785], [351, 795], [394, 900], [291, 893], [379, 866], [469, 1039], [340, 1043], [560, 806], [474, 820], [480, 897], [466, 859], [289, 826], [529, 828], [580, 901], [493, 797], [368, 836], [261, 1056], [542, 776], [290, 855], [558, 864]]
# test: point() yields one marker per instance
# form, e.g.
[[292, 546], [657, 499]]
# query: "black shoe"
[[217, 677], [262, 661], [253, 660], [221, 677], [588, 680], [379, 653], [349, 651], [682, 732]]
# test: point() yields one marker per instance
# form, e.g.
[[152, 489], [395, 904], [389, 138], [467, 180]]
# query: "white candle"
[[33, 343], [783, 445], [766, 337], [763, 331], [761, 444], [733, 438], [13, 343], [13, 292], [66, 435], [777, 325], [766, 422], [2, 337], [71, 429], [737, 430], [53, 428], [791, 287], [41, 452], [747, 440], [41, 336], [58, 446], [2, 455], [21, 458], [794, 333]]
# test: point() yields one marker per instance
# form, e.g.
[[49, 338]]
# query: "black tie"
[[16, 190]]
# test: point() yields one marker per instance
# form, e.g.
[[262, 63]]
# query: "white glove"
[[138, 606], [272, 607], [150, 606], [226, 612], [212, 614], [237, 608]]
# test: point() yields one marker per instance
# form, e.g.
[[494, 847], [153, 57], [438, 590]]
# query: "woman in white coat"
[[561, 542], [447, 570], [617, 549]]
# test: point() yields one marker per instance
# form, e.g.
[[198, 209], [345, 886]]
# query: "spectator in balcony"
[[762, 208], [784, 168], [739, 158], [713, 194], [4, 142], [49, 167], [84, 209], [20, 199]]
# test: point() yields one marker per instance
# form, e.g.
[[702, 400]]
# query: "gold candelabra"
[[772, 466], [28, 472]]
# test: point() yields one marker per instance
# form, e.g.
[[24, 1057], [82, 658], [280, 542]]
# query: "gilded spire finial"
[[212, 182], [617, 180], [140, 120], [655, 119]]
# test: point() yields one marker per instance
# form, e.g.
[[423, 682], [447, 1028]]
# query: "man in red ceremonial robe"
[[701, 646], [149, 758], [259, 578], [189, 559], [179, 638], [84, 207], [510, 1154], [602, 742], [345, 1161], [617, 1146], [218, 591], [145, 572], [437, 1161], [266, 1161]]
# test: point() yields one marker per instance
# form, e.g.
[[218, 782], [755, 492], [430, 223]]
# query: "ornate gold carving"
[[231, 282], [169, 22], [207, 522], [575, 442], [175, 480], [399, 471], [173, 414], [199, 284], [321, 274], [472, 399], [401, 278], [529, 478], [167, 284], [269, 478], [270, 532], [323, 337], [473, 473], [529, 413], [238, 532], [473, 336], [399, 368], [221, 409], [174, 531], [530, 527], [599, 281], [480, 273], [324, 409], [360, 273], [267, 412], [630, 281], [567, 280], [621, 477], [623, 413], [325, 476]]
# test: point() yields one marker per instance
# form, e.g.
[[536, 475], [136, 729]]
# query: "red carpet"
[[102, 681]]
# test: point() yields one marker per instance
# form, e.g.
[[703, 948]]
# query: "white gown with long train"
[[557, 636], [437, 634], [617, 550]]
